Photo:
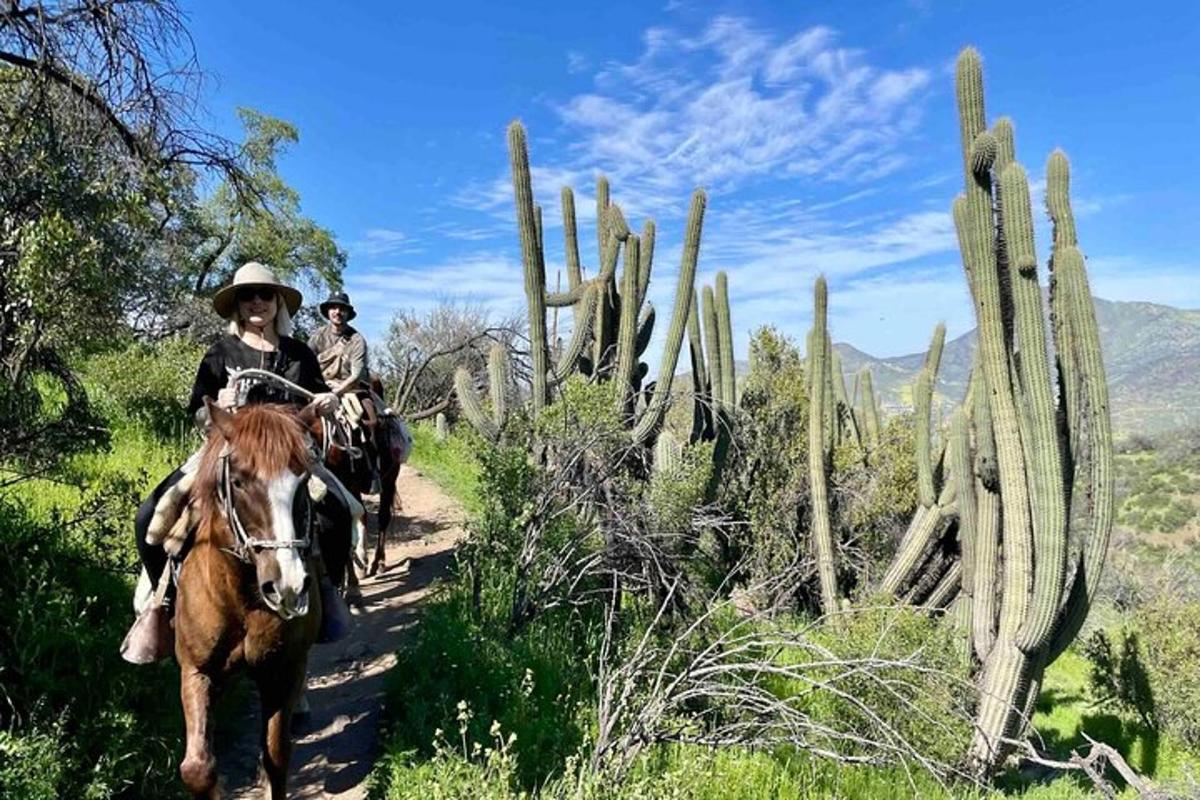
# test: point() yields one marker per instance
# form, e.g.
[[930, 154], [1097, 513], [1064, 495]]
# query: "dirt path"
[[335, 750]]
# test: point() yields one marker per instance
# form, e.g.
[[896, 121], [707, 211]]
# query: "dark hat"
[[338, 299]]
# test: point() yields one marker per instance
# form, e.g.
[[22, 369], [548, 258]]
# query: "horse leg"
[[199, 768], [387, 500], [278, 699], [353, 593]]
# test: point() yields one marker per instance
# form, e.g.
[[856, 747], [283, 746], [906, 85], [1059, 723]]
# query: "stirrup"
[[152, 638]]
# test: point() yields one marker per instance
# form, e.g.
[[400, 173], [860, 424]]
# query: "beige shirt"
[[340, 355]]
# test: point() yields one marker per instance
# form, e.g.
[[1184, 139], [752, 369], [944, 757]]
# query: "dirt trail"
[[336, 748]]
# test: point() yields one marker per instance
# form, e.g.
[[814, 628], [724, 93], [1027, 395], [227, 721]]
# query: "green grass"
[[450, 464], [83, 723]]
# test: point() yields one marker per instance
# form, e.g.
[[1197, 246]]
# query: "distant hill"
[[1151, 355]]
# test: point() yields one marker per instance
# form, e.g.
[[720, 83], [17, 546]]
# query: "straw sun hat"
[[253, 274]]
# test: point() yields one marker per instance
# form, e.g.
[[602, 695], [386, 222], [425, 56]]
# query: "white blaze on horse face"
[[281, 493]]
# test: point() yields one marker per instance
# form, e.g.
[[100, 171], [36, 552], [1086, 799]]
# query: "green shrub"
[[537, 685], [31, 764], [65, 598], [924, 692], [1170, 637], [146, 385]]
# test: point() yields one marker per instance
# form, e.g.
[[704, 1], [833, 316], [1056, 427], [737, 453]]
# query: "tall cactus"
[[818, 375], [616, 322], [1029, 461]]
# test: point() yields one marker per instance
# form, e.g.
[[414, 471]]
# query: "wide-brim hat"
[[338, 299], [253, 274]]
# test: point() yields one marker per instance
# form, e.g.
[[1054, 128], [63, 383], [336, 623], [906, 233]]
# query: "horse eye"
[[237, 483]]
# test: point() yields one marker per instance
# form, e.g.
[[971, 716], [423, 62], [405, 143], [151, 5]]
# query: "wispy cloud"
[[377, 242]]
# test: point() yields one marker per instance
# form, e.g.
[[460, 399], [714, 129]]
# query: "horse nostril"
[[304, 584], [268, 589]]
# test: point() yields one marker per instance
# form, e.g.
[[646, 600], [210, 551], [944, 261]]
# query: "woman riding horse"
[[259, 309]]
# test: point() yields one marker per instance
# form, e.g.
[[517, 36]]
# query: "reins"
[[329, 430]]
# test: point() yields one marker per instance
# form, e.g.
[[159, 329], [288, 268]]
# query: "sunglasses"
[[263, 293]]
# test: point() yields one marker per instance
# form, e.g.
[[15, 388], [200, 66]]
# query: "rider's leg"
[[150, 638], [154, 557]]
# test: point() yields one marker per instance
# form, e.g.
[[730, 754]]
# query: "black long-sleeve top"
[[292, 360]]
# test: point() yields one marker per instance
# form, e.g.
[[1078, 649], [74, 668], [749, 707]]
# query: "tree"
[[206, 240], [422, 351]]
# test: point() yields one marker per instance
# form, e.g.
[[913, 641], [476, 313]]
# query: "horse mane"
[[266, 440]]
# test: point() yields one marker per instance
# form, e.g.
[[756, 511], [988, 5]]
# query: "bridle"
[[246, 545]]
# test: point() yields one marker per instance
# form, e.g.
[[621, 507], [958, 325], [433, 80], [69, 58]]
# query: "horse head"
[[253, 467]]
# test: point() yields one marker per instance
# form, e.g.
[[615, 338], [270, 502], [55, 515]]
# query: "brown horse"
[[248, 597], [355, 475]]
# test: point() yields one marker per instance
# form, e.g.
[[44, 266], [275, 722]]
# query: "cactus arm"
[[923, 402], [627, 326], [472, 408], [870, 409], [712, 341], [647, 260], [571, 239], [925, 528], [950, 584], [568, 362], [725, 332], [535, 277], [1040, 433], [498, 382], [1094, 461], [652, 418], [645, 329], [601, 217], [567, 298]]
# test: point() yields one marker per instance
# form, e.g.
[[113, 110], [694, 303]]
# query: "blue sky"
[[824, 132]]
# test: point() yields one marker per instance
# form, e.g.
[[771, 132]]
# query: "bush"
[[924, 695], [1170, 637], [872, 495], [146, 385], [1149, 667], [64, 596]]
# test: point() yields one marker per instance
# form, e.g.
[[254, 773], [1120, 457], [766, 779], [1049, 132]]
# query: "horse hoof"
[[354, 599]]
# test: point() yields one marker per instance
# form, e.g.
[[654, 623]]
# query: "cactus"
[[818, 368], [498, 382], [441, 428], [618, 325], [725, 337], [468, 400], [712, 341], [870, 409], [1013, 509], [922, 402], [650, 421], [535, 276]]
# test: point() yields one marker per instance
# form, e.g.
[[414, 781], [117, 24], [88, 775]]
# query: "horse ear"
[[221, 419]]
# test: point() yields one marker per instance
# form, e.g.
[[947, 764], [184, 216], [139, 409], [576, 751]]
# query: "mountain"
[[1151, 358]]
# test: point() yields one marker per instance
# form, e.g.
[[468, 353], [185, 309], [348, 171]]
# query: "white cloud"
[[382, 241], [577, 62]]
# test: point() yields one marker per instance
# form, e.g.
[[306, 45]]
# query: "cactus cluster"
[[612, 320], [1025, 467]]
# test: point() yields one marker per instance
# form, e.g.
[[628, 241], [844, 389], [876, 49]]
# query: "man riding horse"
[[283, 370], [342, 353]]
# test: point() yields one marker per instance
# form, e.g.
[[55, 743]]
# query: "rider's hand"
[[227, 398], [326, 402]]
